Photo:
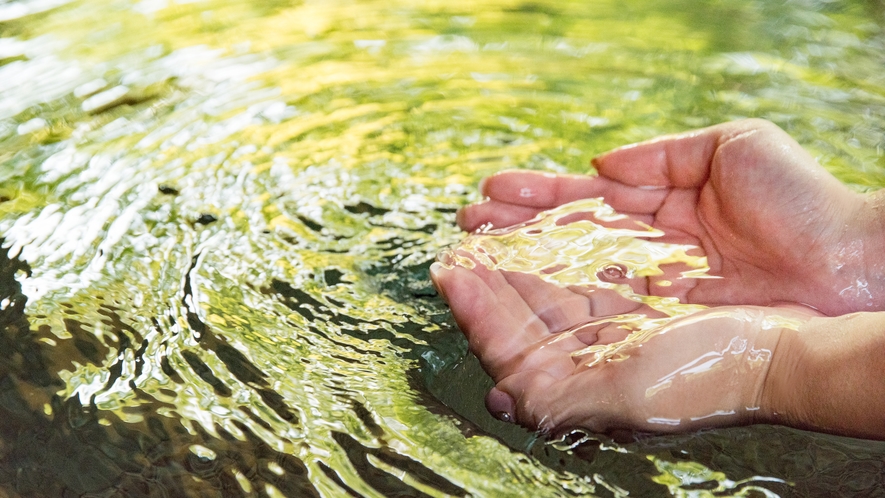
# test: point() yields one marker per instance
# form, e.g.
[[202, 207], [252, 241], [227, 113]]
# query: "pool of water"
[[218, 217]]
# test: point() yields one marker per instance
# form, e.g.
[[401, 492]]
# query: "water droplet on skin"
[[505, 417], [614, 272], [446, 257]]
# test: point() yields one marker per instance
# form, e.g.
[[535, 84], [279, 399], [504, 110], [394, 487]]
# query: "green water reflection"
[[219, 217]]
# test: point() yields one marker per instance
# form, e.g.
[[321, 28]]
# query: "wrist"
[[775, 395], [778, 398], [827, 376]]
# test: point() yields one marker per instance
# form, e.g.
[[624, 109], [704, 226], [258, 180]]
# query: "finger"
[[681, 160], [522, 398], [543, 349], [602, 333], [500, 328], [612, 333], [673, 282], [497, 214], [494, 213], [547, 190], [610, 302], [541, 402], [560, 309], [501, 405]]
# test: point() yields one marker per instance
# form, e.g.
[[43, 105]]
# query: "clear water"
[[219, 215]]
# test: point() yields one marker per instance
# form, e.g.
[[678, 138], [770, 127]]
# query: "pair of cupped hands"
[[798, 259]]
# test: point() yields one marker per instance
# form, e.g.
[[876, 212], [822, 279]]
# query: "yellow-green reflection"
[[681, 477], [228, 206]]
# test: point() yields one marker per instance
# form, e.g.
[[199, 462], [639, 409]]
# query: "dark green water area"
[[218, 216]]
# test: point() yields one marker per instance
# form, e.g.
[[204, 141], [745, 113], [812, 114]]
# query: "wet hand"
[[773, 223], [703, 370]]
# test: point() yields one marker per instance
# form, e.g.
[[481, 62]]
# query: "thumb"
[[501, 405], [523, 398], [539, 401]]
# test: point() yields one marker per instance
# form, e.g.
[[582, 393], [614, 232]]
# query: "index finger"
[[523, 189], [683, 160], [501, 329]]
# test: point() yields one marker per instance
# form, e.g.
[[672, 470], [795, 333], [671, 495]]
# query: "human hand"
[[772, 223], [707, 369]]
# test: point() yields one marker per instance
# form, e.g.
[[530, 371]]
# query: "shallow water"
[[218, 219]]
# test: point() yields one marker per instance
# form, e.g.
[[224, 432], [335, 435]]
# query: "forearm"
[[829, 376]]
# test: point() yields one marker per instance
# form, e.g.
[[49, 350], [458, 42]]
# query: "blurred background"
[[218, 216]]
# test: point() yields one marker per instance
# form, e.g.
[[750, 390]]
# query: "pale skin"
[[788, 240]]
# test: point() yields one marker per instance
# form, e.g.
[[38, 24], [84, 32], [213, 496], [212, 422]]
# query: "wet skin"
[[773, 224], [760, 209]]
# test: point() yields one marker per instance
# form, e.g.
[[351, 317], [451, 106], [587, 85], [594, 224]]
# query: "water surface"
[[218, 217]]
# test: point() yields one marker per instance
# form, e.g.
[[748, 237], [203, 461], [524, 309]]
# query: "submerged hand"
[[774, 224], [703, 370]]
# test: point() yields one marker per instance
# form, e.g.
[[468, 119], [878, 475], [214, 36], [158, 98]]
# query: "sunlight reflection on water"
[[220, 216]]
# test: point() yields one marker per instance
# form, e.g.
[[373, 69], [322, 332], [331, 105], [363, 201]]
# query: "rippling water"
[[218, 218]]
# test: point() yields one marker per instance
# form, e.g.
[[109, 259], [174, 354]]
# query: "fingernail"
[[436, 268], [501, 405]]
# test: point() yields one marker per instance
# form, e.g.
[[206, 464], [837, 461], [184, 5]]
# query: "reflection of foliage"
[[691, 479], [47, 442], [228, 244]]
